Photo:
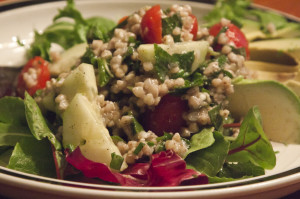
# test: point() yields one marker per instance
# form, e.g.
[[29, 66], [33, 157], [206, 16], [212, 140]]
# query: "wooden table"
[[291, 7]]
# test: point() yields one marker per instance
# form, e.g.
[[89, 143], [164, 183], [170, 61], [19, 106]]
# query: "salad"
[[152, 100]]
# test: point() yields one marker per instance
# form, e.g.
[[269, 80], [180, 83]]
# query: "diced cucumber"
[[68, 59], [83, 126], [200, 48], [80, 80]]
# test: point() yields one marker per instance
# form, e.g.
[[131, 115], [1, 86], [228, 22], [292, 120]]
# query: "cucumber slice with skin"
[[83, 126], [279, 107], [200, 48]]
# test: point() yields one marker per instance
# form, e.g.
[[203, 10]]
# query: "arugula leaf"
[[201, 140], [251, 143], [13, 125], [211, 159], [37, 123], [79, 31], [71, 12], [239, 170], [33, 156], [40, 46], [116, 161]]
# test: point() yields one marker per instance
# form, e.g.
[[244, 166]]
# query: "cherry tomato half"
[[167, 115], [151, 26], [234, 34], [194, 28], [38, 76]]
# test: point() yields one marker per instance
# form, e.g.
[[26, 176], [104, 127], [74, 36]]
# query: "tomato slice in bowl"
[[234, 34], [33, 76], [151, 26]]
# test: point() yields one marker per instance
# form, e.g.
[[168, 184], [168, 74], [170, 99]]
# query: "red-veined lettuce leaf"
[[165, 169]]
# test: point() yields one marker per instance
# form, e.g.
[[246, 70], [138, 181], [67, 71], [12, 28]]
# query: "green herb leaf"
[[116, 161], [163, 60], [251, 143], [169, 24], [104, 76], [211, 159]]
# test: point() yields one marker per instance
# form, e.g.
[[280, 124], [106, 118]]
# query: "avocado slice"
[[271, 67], [281, 51], [200, 48], [252, 30], [276, 76], [279, 107], [83, 126]]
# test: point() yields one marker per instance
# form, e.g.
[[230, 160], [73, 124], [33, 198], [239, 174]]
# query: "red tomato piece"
[[40, 75], [122, 19], [151, 26], [194, 28], [167, 115], [234, 34]]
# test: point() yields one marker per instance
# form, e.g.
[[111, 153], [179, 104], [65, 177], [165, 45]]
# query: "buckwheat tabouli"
[[140, 103]]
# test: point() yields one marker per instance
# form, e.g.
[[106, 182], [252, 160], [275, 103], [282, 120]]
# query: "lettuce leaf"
[[164, 169], [67, 34], [201, 140], [40, 130], [33, 156], [37, 123], [251, 143], [211, 159], [13, 125]]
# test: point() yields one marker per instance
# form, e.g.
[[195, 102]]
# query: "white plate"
[[282, 180]]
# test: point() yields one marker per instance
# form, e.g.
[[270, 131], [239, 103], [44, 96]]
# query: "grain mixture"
[[134, 88]]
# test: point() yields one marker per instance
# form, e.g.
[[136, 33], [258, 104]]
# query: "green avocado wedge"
[[279, 107]]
